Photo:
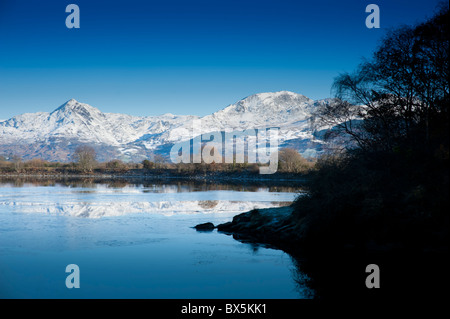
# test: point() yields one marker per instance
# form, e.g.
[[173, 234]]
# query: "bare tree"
[[17, 160], [158, 161], [399, 98], [85, 156]]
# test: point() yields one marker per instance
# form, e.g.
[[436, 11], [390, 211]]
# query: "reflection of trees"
[[341, 276], [305, 286], [331, 276], [18, 183], [157, 186], [208, 204], [118, 183], [176, 185], [302, 272]]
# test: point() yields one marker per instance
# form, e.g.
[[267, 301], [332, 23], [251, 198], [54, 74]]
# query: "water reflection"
[[86, 198], [110, 209], [143, 228], [157, 186]]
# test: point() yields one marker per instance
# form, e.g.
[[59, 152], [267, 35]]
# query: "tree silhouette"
[[398, 99], [390, 185]]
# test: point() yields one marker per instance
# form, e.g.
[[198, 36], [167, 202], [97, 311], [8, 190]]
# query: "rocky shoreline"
[[271, 227]]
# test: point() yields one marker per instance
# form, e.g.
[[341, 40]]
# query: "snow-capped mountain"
[[263, 110], [55, 135]]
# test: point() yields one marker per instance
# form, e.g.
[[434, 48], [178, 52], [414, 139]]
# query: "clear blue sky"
[[184, 57]]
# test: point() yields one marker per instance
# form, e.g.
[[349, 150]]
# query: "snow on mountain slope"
[[290, 112], [262, 110], [54, 136], [85, 123]]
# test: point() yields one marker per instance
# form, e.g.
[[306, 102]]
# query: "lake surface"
[[137, 241]]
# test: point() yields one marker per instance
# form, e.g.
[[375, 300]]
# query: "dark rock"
[[271, 226], [205, 227], [225, 227]]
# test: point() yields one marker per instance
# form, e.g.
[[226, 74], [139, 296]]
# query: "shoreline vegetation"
[[292, 168], [164, 174], [383, 196]]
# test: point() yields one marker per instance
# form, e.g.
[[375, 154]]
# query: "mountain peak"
[[278, 95], [72, 102], [73, 106], [268, 102], [263, 110]]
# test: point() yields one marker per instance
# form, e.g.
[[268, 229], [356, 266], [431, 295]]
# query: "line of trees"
[[84, 161], [290, 161]]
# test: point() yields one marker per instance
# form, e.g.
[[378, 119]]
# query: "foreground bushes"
[[383, 201]]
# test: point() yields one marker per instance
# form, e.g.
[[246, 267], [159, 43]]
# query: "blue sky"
[[183, 57]]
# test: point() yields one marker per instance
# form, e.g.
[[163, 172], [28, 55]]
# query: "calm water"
[[136, 241]]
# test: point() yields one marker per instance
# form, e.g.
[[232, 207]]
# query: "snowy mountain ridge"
[[54, 136]]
